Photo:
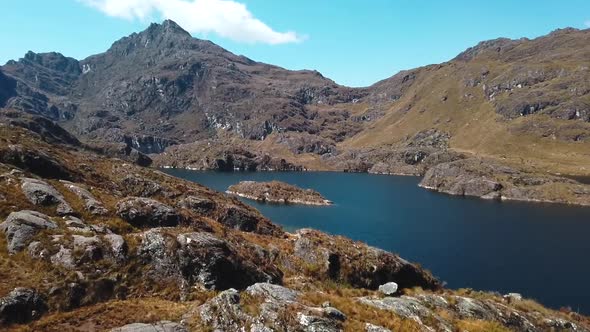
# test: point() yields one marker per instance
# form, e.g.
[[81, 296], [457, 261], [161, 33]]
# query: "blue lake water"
[[539, 250]]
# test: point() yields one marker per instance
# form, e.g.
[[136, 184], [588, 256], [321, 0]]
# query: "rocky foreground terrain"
[[93, 243], [277, 192]]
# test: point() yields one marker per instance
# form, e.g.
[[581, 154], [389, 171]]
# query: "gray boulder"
[[20, 228], [389, 288], [21, 305], [118, 246], [145, 212], [163, 326], [42, 193], [91, 203], [201, 258], [197, 204]]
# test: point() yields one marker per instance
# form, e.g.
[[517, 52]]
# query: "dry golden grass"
[[480, 326], [105, 316], [359, 314]]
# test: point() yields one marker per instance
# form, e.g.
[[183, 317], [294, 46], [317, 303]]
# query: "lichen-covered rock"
[[42, 193], [135, 185], [145, 212], [246, 219], [197, 204], [356, 263], [118, 246], [163, 326], [21, 305], [93, 206], [202, 259], [20, 228]]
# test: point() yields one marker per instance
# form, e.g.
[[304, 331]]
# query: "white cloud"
[[227, 18]]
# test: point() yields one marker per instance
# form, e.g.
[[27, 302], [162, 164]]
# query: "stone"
[[162, 326], [145, 212], [389, 288], [375, 328], [117, 245], [21, 305], [273, 293], [135, 185], [42, 193], [20, 228], [223, 312], [90, 202], [197, 204], [333, 313], [513, 297]]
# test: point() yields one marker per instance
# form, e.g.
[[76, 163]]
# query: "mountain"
[[162, 86], [520, 106]]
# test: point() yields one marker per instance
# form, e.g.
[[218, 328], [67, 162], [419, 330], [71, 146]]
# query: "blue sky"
[[354, 42]]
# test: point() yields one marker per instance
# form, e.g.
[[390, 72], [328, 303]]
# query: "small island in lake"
[[277, 192]]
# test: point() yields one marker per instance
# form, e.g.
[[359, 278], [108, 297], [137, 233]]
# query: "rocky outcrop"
[[163, 326], [35, 162], [21, 305], [278, 308], [246, 219], [277, 192], [145, 212], [490, 180], [21, 227], [356, 264], [202, 259], [90, 202], [43, 194]]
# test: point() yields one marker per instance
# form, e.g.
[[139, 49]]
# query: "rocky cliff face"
[[103, 244], [505, 99]]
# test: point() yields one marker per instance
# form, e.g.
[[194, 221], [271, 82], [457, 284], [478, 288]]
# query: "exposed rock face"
[[20, 228], [201, 259], [163, 326], [277, 192], [92, 204], [244, 219], [490, 180], [21, 305], [200, 205], [358, 264], [42, 193], [35, 162], [278, 309], [145, 212]]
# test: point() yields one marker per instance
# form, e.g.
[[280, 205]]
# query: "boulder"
[[91, 203], [118, 246], [205, 259], [246, 219], [145, 212], [273, 293], [21, 305], [162, 326], [202, 259], [42, 193], [20, 228], [200, 205], [389, 288], [135, 185]]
